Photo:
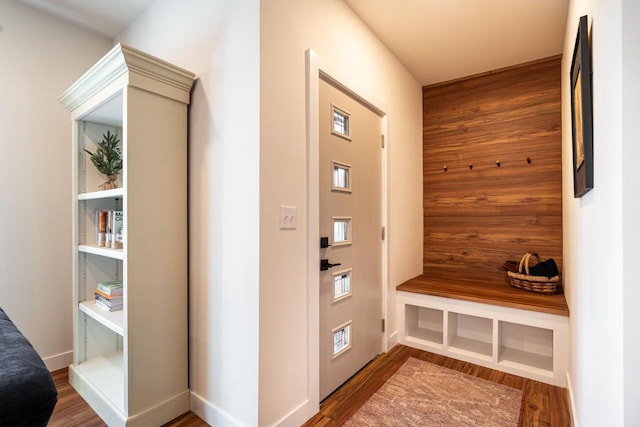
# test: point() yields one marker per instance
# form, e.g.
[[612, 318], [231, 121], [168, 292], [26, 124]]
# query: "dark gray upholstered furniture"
[[27, 392]]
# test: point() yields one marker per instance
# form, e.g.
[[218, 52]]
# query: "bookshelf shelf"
[[131, 365], [471, 347], [110, 319], [519, 359], [103, 194], [105, 252], [102, 380]]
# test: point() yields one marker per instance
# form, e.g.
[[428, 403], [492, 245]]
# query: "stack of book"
[[109, 228], [109, 295]]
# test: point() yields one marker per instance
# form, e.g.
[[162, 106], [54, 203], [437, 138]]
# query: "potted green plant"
[[107, 159]]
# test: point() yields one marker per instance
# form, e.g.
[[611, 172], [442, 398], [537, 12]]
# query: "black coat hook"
[[470, 166], [529, 160], [498, 163]]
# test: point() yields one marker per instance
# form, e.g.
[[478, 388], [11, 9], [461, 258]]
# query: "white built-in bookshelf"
[[131, 365]]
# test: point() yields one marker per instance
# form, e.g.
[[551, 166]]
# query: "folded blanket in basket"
[[546, 268]]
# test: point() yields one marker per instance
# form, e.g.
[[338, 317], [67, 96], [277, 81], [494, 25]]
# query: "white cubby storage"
[[469, 335], [424, 325], [527, 343], [523, 346], [131, 365]]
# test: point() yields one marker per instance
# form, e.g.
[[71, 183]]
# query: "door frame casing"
[[316, 70]]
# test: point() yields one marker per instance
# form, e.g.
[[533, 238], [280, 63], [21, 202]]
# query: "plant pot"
[[109, 185]]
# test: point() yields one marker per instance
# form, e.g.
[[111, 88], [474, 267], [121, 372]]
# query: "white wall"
[[223, 43], [40, 57], [601, 228], [351, 52], [219, 41], [631, 208], [237, 291]]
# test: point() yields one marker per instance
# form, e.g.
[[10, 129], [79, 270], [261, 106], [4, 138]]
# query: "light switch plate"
[[288, 217]]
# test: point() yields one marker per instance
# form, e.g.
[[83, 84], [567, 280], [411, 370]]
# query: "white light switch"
[[288, 217]]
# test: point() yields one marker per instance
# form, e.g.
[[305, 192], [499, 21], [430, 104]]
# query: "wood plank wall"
[[475, 219]]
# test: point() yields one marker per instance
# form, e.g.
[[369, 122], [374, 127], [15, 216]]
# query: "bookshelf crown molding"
[[139, 70]]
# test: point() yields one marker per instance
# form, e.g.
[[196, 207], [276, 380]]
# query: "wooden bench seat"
[[487, 293]]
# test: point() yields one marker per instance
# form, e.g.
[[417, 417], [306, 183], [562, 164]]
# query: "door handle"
[[325, 265]]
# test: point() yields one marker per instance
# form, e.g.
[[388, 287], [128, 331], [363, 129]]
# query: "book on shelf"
[[113, 287], [101, 227], [108, 306], [115, 301], [109, 225], [109, 295], [113, 298], [110, 303], [116, 229]]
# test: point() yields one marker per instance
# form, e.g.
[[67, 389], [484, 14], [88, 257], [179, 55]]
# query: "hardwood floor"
[[72, 410], [544, 405]]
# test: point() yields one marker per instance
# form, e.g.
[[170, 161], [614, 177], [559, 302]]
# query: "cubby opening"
[[424, 324], [102, 359], [470, 334], [89, 178], [93, 269], [100, 341], [526, 345], [87, 219]]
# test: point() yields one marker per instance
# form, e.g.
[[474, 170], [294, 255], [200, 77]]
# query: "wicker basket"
[[540, 284]]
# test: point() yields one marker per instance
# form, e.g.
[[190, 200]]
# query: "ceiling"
[[106, 17], [436, 40], [441, 40]]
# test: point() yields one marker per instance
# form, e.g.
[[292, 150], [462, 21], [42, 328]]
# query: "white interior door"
[[351, 242]]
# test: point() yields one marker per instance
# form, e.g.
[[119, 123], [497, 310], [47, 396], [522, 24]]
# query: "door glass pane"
[[341, 285], [341, 177], [341, 230], [340, 123], [341, 339]]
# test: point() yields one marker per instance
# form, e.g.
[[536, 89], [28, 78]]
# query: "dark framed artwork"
[[581, 115]]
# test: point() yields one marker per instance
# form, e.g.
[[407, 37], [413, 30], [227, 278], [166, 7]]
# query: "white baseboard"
[[572, 404], [210, 413], [215, 416], [162, 412], [393, 339], [295, 418], [58, 361]]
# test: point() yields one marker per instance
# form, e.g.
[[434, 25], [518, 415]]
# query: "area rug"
[[424, 394]]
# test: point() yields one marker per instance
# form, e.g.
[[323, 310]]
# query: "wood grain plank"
[[477, 218], [472, 289]]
